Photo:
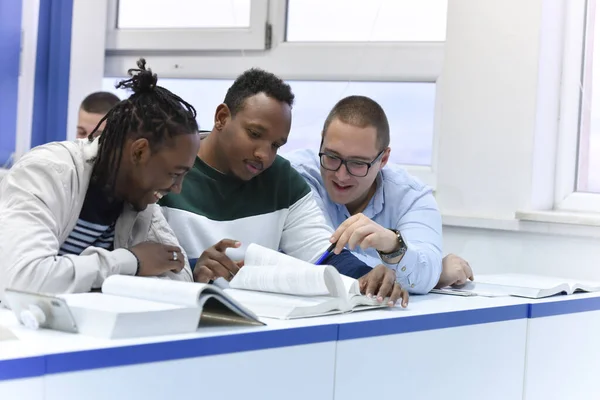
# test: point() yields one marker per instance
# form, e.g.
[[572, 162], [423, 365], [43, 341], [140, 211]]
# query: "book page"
[[292, 280], [259, 255], [522, 280], [114, 304], [351, 285], [275, 305], [154, 289]]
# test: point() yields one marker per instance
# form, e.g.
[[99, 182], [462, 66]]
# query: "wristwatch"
[[401, 249]]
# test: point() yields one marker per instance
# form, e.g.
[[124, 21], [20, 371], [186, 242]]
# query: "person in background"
[[240, 192], [73, 213], [92, 110], [379, 211]]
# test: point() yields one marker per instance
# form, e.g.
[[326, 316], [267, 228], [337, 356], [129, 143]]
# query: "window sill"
[[560, 217], [542, 222]]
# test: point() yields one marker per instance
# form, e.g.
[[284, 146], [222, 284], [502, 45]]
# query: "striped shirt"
[[96, 224], [87, 234]]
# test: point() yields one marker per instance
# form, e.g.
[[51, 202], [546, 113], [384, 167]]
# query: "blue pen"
[[326, 254]]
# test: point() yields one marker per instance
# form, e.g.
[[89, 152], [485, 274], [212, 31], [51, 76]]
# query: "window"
[[409, 107], [578, 153], [186, 24], [158, 14], [366, 20], [397, 61], [588, 169]]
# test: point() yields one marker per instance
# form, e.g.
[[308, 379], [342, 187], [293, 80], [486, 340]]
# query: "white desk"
[[456, 347], [563, 348]]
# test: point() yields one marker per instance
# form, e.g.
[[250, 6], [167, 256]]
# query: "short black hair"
[[151, 112], [361, 111], [253, 82], [99, 102]]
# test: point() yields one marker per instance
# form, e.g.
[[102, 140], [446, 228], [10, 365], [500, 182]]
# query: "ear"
[[222, 115], [140, 151], [385, 157]]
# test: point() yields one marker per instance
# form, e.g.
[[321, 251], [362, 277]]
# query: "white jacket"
[[40, 201]]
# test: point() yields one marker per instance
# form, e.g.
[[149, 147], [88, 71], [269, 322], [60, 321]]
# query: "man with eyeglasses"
[[379, 211]]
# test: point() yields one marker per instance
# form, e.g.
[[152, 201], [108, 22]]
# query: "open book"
[[132, 306], [520, 285], [275, 285]]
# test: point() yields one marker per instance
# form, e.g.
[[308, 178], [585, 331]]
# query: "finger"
[[405, 297], [170, 248], [224, 244], [180, 261], [368, 241], [345, 237], [176, 268], [374, 279], [358, 236], [468, 271], [226, 262], [459, 279], [362, 284], [203, 274], [387, 286], [343, 226], [218, 270], [396, 294], [177, 258], [240, 263]]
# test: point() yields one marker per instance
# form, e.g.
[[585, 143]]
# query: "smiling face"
[[352, 144], [248, 142], [148, 175]]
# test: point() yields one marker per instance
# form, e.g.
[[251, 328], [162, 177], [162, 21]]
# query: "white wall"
[[491, 91]]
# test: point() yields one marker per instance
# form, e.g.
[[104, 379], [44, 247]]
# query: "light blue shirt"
[[400, 202]]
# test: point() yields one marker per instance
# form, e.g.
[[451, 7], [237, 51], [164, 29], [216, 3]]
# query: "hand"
[[213, 263], [455, 272], [157, 258], [359, 230], [381, 281]]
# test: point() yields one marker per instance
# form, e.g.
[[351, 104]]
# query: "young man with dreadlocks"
[[74, 213], [240, 192]]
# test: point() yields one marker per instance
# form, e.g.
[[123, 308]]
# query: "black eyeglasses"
[[355, 168]]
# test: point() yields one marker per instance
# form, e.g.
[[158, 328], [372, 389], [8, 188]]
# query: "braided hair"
[[151, 112]]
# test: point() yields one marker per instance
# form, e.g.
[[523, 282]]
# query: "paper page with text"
[[296, 280], [154, 289], [259, 255], [535, 281], [281, 306]]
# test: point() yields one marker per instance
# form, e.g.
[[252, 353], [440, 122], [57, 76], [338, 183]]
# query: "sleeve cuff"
[[406, 267], [126, 261]]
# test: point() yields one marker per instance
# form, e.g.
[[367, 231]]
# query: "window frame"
[[328, 61], [573, 103], [190, 39]]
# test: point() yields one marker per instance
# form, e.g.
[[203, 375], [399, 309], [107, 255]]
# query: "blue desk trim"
[[392, 326], [19, 368], [169, 351], [572, 306]]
